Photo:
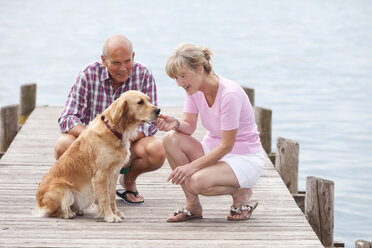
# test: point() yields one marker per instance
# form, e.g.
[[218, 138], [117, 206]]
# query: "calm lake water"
[[308, 61]]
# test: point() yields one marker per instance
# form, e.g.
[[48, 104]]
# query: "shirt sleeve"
[[230, 111], [149, 88], [76, 110]]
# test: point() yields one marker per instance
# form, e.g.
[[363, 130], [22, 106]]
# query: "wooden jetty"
[[277, 221]]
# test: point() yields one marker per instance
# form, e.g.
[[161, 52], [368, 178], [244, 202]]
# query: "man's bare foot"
[[132, 197]]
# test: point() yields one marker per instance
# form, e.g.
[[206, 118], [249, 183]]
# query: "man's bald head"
[[114, 42], [118, 57]]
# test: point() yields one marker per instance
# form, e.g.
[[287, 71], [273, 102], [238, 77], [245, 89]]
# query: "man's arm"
[[149, 88], [77, 130], [76, 110]]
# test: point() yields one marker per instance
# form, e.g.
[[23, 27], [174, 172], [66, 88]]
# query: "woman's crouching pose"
[[230, 159]]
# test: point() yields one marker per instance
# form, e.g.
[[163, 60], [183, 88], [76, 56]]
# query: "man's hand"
[[138, 137], [77, 130]]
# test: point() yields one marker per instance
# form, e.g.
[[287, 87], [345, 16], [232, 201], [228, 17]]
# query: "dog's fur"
[[88, 171]]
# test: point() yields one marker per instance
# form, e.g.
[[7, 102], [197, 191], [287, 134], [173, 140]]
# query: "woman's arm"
[[187, 125]]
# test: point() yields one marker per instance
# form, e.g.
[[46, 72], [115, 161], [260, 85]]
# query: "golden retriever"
[[88, 171]]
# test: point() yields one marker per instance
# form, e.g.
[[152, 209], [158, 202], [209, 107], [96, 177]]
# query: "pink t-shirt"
[[231, 110]]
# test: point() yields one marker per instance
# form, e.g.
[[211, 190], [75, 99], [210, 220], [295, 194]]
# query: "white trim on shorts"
[[247, 167]]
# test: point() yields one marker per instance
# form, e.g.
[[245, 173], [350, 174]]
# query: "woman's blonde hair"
[[188, 56]]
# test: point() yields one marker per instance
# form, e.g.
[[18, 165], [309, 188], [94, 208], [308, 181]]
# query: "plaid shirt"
[[92, 93]]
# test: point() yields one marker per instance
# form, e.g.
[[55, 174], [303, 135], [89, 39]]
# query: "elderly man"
[[96, 87]]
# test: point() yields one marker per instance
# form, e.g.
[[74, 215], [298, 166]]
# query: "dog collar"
[[116, 133]]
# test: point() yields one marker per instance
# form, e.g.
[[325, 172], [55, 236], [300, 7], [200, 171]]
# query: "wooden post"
[[250, 93], [363, 244], [338, 244], [300, 200], [272, 156], [27, 101], [319, 208], [263, 120], [8, 126], [286, 162]]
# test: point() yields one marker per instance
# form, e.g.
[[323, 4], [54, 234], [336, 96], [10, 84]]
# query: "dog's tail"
[[40, 212], [40, 209], [56, 202]]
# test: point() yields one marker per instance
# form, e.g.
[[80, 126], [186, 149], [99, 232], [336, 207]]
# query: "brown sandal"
[[249, 208], [186, 215]]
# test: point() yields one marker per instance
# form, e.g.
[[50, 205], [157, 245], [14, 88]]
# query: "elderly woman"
[[230, 158]]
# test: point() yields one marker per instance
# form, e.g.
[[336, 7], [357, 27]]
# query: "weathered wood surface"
[[319, 208], [250, 94], [27, 101], [363, 244], [286, 162], [263, 118], [277, 221], [8, 125]]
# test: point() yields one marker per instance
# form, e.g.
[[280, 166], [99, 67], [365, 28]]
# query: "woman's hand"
[[166, 123], [181, 173]]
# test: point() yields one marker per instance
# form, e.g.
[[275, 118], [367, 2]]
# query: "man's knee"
[[62, 144], [156, 154]]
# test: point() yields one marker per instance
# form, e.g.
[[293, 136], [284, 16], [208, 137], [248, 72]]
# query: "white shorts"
[[247, 167]]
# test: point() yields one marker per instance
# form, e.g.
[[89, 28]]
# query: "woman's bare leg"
[[223, 182], [181, 149]]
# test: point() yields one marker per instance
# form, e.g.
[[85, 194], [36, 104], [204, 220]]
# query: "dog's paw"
[[113, 218], [118, 213], [69, 215], [117, 219]]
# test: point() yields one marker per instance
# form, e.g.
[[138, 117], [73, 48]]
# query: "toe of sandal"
[[241, 209]]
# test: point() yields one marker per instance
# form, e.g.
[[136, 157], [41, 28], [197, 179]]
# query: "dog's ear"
[[119, 111]]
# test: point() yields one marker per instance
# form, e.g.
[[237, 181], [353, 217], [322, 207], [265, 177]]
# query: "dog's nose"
[[157, 111]]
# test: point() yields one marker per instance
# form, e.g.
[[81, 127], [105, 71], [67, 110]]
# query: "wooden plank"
[[135, 242], [276, 222]]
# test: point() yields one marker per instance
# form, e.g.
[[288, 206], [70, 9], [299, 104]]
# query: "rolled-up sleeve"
[[149, 88], [148, 129], [76, 110]]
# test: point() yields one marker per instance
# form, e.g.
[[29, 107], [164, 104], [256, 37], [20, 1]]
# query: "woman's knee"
[[195, 184], [170, 139]]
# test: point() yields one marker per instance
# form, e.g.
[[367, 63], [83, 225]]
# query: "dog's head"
[[133, 107]]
